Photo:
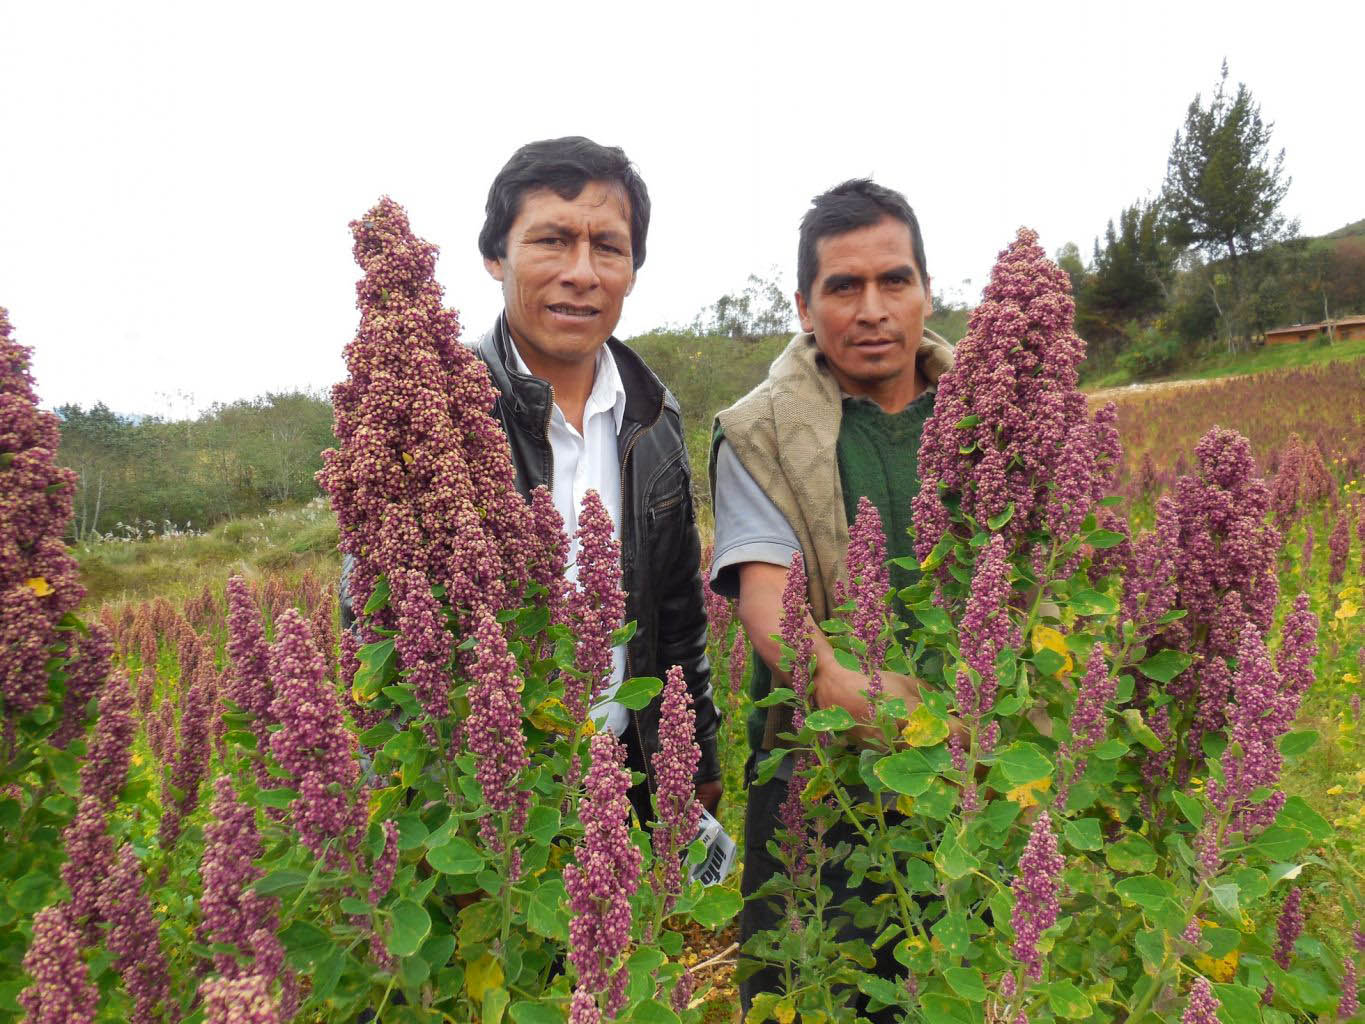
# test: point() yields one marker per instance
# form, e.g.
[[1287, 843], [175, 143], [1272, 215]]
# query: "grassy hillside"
[[1259, 360], [287, 541], [1357, 228]]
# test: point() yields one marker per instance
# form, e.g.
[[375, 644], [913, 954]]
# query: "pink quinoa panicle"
[[1010, 426], [104, 770], [423, 644], [682, 991], [869, 579], [986, 629], [1088, 720], [739, 654], [314, 744], [493, 730], [1359, 504], [547, 565], [600, 883], [598, 606], [1262, 708], [794, 628], [1035, 894], [230, 911], [133, 937], [61, 991], [423, 478], [1226, 575], [249, 654], [385, 865], [1202, 1007], [89, 859], [718, 608], [1289, 927], [675, 764], [1350, 982], [792, 813], [180, 792], [1150, 589], [1339, 546], [239, 1001], [39, 580], [1301, 481], [85, 676]]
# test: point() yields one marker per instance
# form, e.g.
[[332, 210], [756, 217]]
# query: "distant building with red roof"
[[1346, 328]]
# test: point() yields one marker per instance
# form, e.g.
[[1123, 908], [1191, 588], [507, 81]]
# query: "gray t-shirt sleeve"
[[749, 527]]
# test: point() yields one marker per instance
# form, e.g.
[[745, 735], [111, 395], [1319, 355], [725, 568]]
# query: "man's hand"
[[709, 793]]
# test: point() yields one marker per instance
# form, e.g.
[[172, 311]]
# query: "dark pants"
[[635, 761], [761, 822]]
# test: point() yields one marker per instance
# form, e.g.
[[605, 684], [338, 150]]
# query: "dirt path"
[[1129, 390]]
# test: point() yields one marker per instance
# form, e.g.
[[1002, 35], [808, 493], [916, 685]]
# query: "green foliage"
[[1223, 191], [1223, 188], [706, 373], [1149, 353], [145, 476], [949, 319], [284, 542], [1130, 277], [761, 310], [1131, 884]]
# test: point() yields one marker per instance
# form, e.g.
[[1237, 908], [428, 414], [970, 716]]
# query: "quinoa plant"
[[1080, 819]]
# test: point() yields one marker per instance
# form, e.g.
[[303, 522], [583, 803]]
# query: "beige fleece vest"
[[784, 433]]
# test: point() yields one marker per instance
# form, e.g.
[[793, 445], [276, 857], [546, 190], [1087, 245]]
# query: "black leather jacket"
[[660, 548]]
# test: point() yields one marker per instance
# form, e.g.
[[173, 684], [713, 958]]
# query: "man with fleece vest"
[[838, 417]]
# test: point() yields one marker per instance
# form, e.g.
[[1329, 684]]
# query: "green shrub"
[[1150, 352]]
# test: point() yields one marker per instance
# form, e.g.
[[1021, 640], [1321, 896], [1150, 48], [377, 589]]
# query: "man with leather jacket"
[[564, 234]]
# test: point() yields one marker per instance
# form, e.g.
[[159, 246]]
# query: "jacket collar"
[[528, 397]]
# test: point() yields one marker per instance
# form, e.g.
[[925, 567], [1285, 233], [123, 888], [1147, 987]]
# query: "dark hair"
[[857, 203], [564, 166]]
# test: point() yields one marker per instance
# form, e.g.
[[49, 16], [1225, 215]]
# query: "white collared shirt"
[[584, 462]]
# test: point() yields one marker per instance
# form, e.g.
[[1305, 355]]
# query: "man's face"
[[567, 271], [866, 309]]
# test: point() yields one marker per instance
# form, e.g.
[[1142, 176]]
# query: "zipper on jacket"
[[664, 506], [634, 715], [549, 448]]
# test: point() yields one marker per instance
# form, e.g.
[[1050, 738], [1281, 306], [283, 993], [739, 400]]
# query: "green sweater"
[[878, 457]]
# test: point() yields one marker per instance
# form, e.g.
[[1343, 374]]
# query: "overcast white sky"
[[176, 179]]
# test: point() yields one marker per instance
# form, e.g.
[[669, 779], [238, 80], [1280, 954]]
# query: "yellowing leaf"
[[1347, 610], [1027, 795], [359, 695], [377, 797], [905, 804], [1047, 638], [816, 789], [407, 459], [483, 974], [785, 1011], [1223, 969], [924, 728], [39, 586], [551, 716]]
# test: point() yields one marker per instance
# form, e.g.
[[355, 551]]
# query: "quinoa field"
[[1132, 792]]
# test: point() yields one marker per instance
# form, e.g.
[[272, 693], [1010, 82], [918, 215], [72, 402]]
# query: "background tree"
[[1223, 191], [761, 310], [1131, 276], [232, 460]]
